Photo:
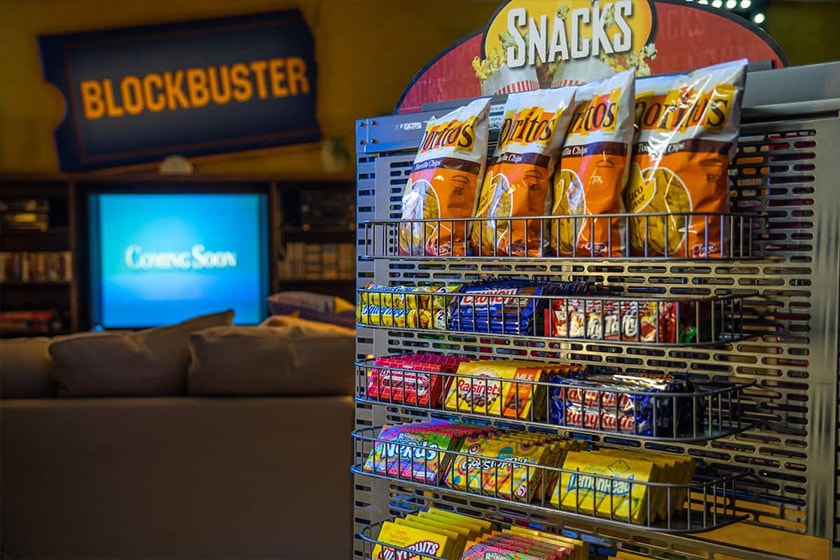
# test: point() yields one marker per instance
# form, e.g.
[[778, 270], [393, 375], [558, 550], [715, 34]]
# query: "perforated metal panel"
[[787, 173]]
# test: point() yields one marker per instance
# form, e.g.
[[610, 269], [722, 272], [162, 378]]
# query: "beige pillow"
[[307, 327], [26, 368], [143, 363], [287, 360]]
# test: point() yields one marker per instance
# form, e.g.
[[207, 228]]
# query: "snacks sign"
[[138, 95], [533, 44]]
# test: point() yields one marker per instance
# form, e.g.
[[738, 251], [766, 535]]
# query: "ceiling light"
[[759, 18], [745, 4], [731, 4], [717, 3]]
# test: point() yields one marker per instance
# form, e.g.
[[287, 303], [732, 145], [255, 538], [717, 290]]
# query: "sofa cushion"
[[142, 363], [303, 358], [26, 368]]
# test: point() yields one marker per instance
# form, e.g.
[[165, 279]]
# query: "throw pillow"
[[151, 362], [26, 368], [313, 307], [288, 360]]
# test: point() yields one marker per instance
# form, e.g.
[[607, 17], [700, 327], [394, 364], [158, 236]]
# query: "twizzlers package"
[[518, 179], [448, 168], [593, 169], [688, 130]]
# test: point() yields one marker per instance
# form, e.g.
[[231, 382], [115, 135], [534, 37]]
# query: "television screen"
[[157, 259]]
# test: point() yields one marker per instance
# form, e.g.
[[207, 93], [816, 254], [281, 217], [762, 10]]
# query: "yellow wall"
[[808, 32], [367, 51]]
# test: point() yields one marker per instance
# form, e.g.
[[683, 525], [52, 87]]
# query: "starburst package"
[[688, 130], [448, 168], [593, 169], [518, 179]]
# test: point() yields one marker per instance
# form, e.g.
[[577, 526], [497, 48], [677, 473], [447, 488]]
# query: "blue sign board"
[[137, 95]]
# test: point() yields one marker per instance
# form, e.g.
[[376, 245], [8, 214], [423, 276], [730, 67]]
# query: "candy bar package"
[[447, 171], [517, 182], [660, 322], [422, 307], [387, 316], [420, 387], [508, 306], [626, 404]]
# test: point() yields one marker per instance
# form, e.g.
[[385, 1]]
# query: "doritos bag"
[[517, 182], [447, 169], [593, 169], [688, 130]]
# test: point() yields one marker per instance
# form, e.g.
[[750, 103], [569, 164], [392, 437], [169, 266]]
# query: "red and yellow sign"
[[532, 44]]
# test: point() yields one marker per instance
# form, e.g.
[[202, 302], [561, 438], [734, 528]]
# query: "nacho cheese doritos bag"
[[518, 179], [688, 130], [593, 169], [447, 170]]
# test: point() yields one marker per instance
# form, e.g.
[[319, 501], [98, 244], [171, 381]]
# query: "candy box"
[[477, 388], [580, 550], [456, 541], [603, 485], [421, 387], [524, 394], [507, 545], [526, 475], [418, 541], [411, 455]]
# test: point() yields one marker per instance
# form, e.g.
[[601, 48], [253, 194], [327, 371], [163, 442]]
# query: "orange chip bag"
[[517, 182], [447, 169], [593, 169], [688, 129]]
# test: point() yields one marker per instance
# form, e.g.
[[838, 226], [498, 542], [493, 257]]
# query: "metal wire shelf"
[[705, 503], [529, 313], [685, 411], [564, 236]]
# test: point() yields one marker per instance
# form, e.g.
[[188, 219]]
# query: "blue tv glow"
[[157, 259]]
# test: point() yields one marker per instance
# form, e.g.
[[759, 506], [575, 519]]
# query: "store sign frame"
[[137, 95], [531, 44]]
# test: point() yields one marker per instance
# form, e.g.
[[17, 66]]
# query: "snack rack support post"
[[787, 175]]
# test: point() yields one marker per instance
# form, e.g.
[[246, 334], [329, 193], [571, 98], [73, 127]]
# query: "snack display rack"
[[766, 379]]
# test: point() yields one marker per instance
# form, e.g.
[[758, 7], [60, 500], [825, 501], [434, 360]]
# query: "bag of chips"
[[517, 182], [688, 130], [593, 170], [447, 170]]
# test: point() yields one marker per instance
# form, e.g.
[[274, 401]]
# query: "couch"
[[199, 440]]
